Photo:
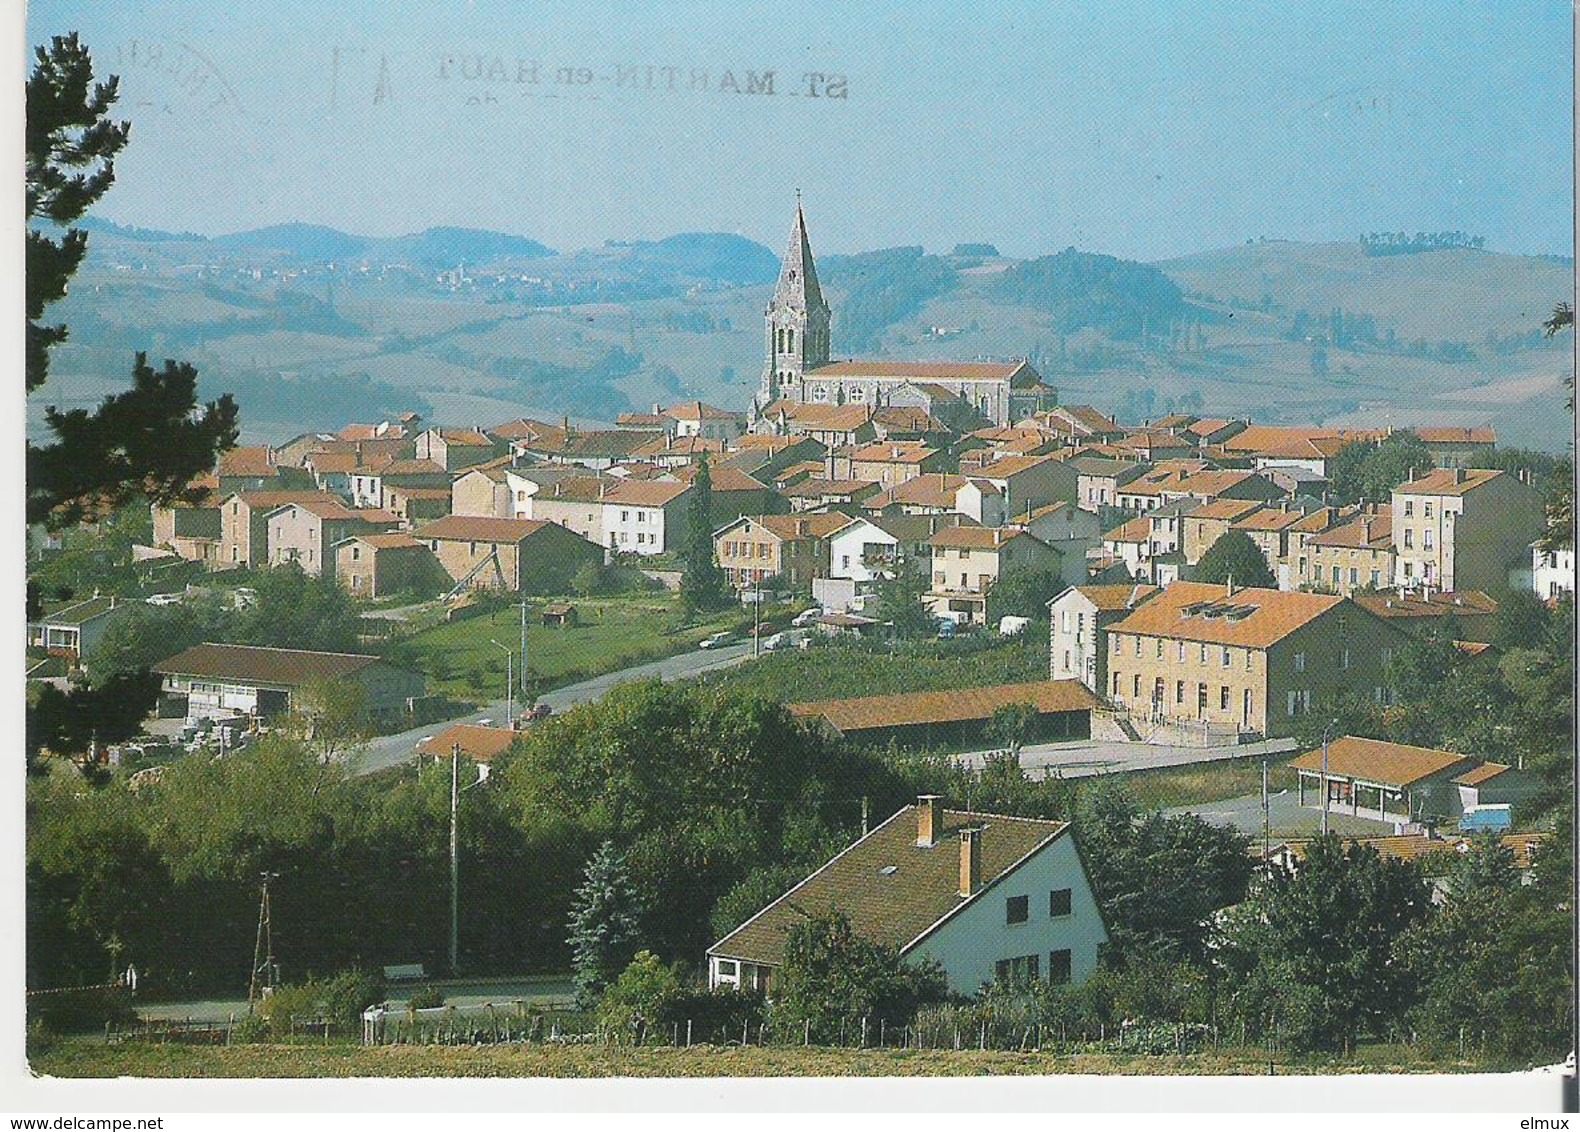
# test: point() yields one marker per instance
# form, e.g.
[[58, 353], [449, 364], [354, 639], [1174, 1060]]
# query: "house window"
[[1022, 969], [1409, 569], [1204, 654], [1355, 576], [1116, 685], [1426, 540], [1226, 657], [1409, 508], [1059, 902], [1160, 648], [1017, 909], [1376, 578], [1059, 966], [1182, 652], [1135, 690], [1066, 660], [1336, 575], [1344, 658], [1223, 697], [1409, 539], [1294, 699], [1426, 509], [1300, 662], [1179, 691]]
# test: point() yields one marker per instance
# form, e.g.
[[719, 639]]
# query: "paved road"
[[1287, 817], [391, 750], [539, 990], [1087, 757]]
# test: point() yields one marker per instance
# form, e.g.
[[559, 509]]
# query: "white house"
[[1077, 623], [1069, 530], [990, 898], [1552, 572]]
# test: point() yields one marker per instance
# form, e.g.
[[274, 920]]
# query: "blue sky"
[[1144, 130]]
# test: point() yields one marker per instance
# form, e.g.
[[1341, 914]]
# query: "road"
[[1287, 817], [386, 751], [538, 990], [1087, 758]]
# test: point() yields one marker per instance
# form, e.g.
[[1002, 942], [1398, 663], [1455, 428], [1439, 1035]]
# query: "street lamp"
[[1326, 789], [510, 683], [456, 790]]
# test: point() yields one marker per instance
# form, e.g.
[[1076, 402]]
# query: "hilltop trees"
[[1368, 470], [149, 440]]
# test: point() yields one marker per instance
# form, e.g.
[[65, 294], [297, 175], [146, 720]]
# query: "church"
[[798, 370]]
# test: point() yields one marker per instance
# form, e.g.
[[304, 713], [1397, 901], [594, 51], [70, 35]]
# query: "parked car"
[[717, 640], [946, 628], [537, 711], [1012, 626], [164, 599], [806, 617], [788, 639]]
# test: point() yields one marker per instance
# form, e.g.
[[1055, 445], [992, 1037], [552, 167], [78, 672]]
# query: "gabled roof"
[[412, 468], [810, 524], [956, 705], [479, 528], [269, 500], [81, 612], [253, 461], [478, 743], [926, 371], [816, 487], [1131, 530], [1440, 604], [1006, 466], [1486, 772], [1364, 532], [331, 509], [248, 663], [1373, 760], [463, 437], [980, 538], [678, 446], [723, 477], [1225, 509], [1268, 519], [331, 463], [892, 891], [1252, 617], [1448, 481], [645, 493], [388, 540], [893, 452], [525, 428], [1487, 436], [1112, 599], [701, 411]]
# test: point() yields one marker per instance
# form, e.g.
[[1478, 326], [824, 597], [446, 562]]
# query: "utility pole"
[[455, 856], [524, 652], [510, 684], [1267, 823], [263, 948], [1326, 789], [757, 623]]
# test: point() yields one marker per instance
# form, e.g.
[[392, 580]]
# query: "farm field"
[[91, 1057]]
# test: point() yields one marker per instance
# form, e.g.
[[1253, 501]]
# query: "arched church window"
[[790, 341]]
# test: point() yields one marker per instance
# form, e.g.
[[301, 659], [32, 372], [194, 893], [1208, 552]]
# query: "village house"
[[217, 680], [523, 435], [257, 469], [816, 493], [519, 555], [1149, 545], [1352, 556], [190, 531], [940, 493], [794, 548], [968, 561], [595, 450], [1453, 447], [1472, 614], [1210, 522], [696, 418], [888, 462], [1098, 481], [244, 524], [455, 449], [377, 565], [73, 629], [332, 471], [1076, 425], [676, 452], [989, 898], [735, 493], [369, 480], [1078, 622], [1552, 570], [645, 517], [1463, 528], [1247, 660], [413, 505], [1069, 530], [480, 744], [1029, 482], [303, 531], [482, 490]]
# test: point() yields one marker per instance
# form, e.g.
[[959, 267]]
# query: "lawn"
[[92, 1057], [461, 660], [1168, 787]]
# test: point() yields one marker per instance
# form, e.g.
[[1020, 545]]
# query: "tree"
[[1235, 557], [899, 603], [1315, 944], [1025, 594], [605, 922], [148, 440], [702, 584], [1012, 725], [1159, 880], [1369, 470], [70, 723], [832, 979]]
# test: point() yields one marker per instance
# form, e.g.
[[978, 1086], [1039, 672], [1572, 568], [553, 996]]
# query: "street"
[[1287, 817], [385, 751], [537, 990]]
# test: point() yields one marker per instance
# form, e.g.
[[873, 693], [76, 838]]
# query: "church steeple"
[[796, 321]]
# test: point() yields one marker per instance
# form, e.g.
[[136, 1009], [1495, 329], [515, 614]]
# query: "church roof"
[[798, 287]]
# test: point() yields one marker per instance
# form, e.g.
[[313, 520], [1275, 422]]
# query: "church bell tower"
[[796, 323]]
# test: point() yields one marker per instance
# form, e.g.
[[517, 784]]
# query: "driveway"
[[386, 751]]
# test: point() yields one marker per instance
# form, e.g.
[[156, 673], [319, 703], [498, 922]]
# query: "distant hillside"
[[1082, 291], [714, 256]]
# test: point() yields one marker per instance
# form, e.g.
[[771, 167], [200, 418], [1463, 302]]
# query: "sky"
[[1141, 130]]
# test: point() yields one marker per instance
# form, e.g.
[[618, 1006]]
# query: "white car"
[[806, 617], [164, 599], [717, 640]]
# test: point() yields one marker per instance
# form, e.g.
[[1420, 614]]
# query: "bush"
[[426, 998], [80, 1011], [649, 1000], [349, 993]]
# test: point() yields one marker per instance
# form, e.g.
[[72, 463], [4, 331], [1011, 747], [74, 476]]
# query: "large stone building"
[[1463, 529], [1246, 660], [799, 369]]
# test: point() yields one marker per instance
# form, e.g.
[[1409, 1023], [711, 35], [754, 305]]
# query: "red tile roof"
[[1373, 760], [956, 705], [250, 664], [479, 528], [478, 743], [1252, 618]]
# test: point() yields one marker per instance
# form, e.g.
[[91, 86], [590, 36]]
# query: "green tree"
[[832, 979], [69, 723], [899, 601], [150, 440], [1369, 470], [604, 925], [1012, 725], [1487, 866], [1315, 945], [702, 582], [632, 1004], [1235, 556], [1025, 594], [1159, 880]]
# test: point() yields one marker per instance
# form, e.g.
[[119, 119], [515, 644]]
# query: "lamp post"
[[1326, 789], [510, 683], [455, 853]]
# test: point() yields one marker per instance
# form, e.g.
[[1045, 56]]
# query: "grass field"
[[460, 659], [1206, 782], [91, 1057]]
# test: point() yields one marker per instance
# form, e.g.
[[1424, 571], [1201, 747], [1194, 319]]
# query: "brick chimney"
[[929, 820], [1459, 475], [970, 861]]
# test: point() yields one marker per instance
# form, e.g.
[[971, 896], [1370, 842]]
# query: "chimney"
[[998, 536], [1230, 586], [929, 820], [970, 861], [1459, 475]]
